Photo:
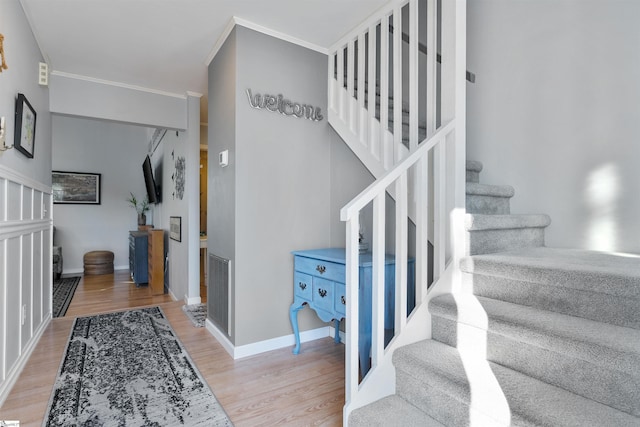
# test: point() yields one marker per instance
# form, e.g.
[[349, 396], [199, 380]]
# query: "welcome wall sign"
[[284, 106]]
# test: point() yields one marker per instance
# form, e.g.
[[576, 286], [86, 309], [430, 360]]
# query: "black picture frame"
[[175, 228], [76, 188], [25, 135]]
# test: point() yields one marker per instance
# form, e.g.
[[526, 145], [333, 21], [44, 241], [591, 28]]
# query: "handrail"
[[368, 194]]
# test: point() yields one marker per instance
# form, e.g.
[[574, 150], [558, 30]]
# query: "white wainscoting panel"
[[25, 271]]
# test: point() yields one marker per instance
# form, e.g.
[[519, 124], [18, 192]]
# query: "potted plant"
[[140, 206]]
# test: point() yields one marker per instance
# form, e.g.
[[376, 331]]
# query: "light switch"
[[223, 158]]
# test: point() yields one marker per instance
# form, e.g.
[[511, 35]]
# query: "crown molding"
[[117, 84], [261, 29]]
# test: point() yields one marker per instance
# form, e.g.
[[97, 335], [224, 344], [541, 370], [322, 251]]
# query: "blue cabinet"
[[139, 256], [319, 282]]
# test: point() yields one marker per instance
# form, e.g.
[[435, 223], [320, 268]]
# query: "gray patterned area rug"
[[129, 369], [63, 290], [197, 313]]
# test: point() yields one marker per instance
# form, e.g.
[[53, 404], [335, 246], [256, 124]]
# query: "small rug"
[[197, 313], [63, 290], [129, 369]]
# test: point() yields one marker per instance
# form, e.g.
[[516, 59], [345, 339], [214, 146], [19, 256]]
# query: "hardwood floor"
[[274, 388]]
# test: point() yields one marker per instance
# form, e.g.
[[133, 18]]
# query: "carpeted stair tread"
[[479, 222], [589, 304], [389, 411], [530, 402], [564, 351], [473, 171], [610, 346], [474, 166], [476, 189], [497, 233], [613, 274]]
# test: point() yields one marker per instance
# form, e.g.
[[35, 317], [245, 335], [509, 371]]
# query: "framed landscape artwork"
[[25, 135], [175, 228], [76, 188]]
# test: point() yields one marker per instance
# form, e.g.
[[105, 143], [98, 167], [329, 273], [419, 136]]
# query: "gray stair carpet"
[[497, 233], [593, 359], [431, 372], [536, 336], [593, 285], [392, 411], [473, 171], [488, 199]]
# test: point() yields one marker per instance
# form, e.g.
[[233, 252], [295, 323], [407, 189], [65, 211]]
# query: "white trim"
[[223, 38], [27, 14], [9, 229], [192, 300], [261, 29], [267, 345], [116, 84], [17, 177], [12, 377], [194, 94]]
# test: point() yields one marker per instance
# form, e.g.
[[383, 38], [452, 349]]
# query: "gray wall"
[[221, 198], [116, 151], [286, 181], [25, 214], [184, 269], [73, 95], [554, 112], [22, 57]]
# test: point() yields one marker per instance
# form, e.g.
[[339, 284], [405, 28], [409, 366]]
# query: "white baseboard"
[[14, 373], [267, 345], [74, 271], [192, 300]]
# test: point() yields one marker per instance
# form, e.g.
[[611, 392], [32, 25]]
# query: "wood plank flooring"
[[271, 389]]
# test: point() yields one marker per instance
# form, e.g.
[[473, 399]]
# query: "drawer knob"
[[322, 292], [343, 300], [302, 285], [321, 269]]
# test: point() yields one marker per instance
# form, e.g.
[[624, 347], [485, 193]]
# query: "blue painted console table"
[[319, 282]]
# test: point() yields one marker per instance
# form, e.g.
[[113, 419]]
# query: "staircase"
[[536, 336]]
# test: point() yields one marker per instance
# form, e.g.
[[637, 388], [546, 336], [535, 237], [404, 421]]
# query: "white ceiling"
[[164, 44]]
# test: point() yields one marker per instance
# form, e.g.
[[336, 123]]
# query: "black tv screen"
[[153, 192]]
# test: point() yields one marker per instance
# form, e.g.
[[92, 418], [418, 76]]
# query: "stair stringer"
[[375, 158], [381, 381], [374, 164]]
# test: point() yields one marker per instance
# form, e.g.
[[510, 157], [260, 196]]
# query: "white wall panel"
[[37, 205], [26, 296], [13, 301], [47, 273], [27, 203], [13, 201], [3, 307], [3, 194], [37, 278]]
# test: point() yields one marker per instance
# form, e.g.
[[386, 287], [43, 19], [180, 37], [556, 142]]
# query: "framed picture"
[[76, 188], [175, 228], [25, 135]]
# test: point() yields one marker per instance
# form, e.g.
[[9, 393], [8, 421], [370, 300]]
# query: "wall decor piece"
[[3, 65], [284, 106], [76, 188], [175, 228], [25, 135], [180, 167]]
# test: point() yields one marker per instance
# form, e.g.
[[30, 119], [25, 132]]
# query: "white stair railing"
[[387, 96], [372, 104]]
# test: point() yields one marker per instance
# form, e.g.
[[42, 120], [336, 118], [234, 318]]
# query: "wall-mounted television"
[[153, 191]]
